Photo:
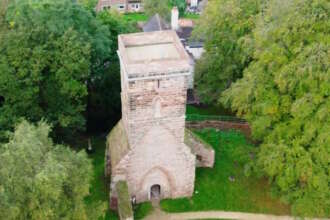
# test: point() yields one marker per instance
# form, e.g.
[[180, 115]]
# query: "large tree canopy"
[[104, 94], [49, 54], [284, 94], [162, 7], [40, 180], [225, 27], [180, 4]]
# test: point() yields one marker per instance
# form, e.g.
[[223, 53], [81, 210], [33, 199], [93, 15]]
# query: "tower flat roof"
[[152, 54]]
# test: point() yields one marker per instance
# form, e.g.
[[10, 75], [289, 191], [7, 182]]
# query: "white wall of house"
[[195, 51], [193, 3]]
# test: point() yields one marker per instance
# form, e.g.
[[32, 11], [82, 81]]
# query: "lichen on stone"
[[190, 138], [117, 143], [125, 209]]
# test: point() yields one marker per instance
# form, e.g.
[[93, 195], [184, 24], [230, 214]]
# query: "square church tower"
[[154, 77], [147, 149]]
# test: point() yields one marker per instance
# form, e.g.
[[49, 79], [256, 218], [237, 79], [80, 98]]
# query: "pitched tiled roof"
[[156, 23], [184, 32]]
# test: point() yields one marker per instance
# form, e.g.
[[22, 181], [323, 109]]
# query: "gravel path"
[[160, 215]]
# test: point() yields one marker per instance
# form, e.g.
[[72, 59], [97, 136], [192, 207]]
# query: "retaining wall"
[[243, 127]]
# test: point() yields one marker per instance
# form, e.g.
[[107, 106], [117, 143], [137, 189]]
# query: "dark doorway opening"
[[155, 191]]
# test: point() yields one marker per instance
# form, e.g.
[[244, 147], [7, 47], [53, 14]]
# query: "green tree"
[[162, 7], [3, 10], [104, 95], [50, 53], [116, 25], [180, 4], [284, 95], [88, 4], [41, 180], [225, 27]]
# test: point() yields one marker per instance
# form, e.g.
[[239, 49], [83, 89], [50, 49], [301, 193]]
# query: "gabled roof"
[[155, 23]]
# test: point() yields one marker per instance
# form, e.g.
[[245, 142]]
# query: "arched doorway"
[[155, 192]]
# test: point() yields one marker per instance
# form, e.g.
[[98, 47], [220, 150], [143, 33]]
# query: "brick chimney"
[[175, 18]]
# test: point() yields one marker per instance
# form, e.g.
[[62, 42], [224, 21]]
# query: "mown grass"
[[214, 190], [98, 190], [142, 210], [208, 110], [191, 16], [135, 17], [140, 16]]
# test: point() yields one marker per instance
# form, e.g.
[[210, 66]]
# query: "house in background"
[[196, 6], [192, 3], [120, 5], [193, 6]]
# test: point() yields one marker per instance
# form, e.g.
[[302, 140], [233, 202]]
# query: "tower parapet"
[[154, 81]]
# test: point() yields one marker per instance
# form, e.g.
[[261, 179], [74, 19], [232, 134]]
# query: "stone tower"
[[146, 148], [154, 72]]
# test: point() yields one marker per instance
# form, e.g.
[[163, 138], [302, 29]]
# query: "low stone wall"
[[204, 152], [243, 127]]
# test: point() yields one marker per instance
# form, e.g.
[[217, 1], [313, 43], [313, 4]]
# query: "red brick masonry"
[[221, 125]]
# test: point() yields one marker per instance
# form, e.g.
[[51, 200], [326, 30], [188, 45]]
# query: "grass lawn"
[[208, 110], [142, 210], [98, 191], [214, 190], [139, 16], [191, 16], [135, 17], [98, 200]]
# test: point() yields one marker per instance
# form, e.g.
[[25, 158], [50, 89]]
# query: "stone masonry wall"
[[155, 100], [154, 94], [222, 125], [159, 159], [204, 152]]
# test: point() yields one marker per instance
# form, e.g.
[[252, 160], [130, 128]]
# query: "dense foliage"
[[162, 7], [104, 94], [225, 27], [180, 4], [47, 57], [88, 4], [3, 10], [40, 180], [284, 94], [58, 61]]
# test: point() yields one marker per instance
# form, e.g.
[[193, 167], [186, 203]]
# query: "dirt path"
[[160, 215]]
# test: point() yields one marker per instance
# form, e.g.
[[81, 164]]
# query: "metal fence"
[[197, 117]]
